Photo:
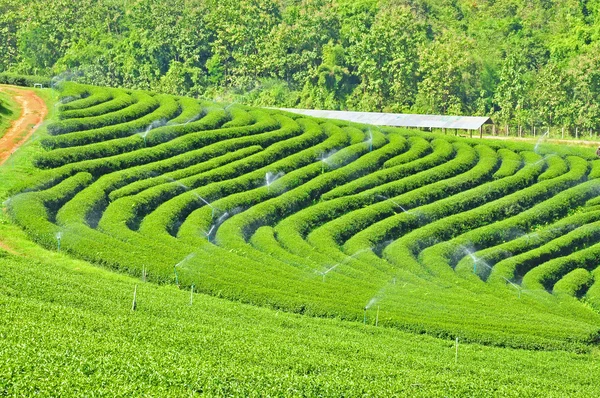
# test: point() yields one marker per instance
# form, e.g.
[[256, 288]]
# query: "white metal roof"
[[399, 119]]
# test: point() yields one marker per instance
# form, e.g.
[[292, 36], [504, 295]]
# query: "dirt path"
[[33, 113]]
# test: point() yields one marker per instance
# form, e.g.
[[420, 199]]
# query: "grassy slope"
[[68, 329], [9, 111]]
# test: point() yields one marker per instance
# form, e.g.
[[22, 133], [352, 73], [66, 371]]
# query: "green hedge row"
[[442, 152], [241, 176], [556, 167], [143, 104], [143, 156], [500, 202], [345, 214], [23, 80], [78, 96], [242, 227], [544, 266], [511, 163], [91, 202], [436, 194], [575, 283], [406, 193], [191, 111], [288, 129], [152, 125], [118, 101], [35, 211], [167, 109], [518, 242], [448, 253], [419, 147]]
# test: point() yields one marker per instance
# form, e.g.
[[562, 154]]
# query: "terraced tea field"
[[491, 242]]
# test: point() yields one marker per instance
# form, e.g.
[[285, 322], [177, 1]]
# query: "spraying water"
[[372, 302], [394, 202], [222, 218], [58, 239], [270, 178], [153, 125], [477, 261], [539, 141], [348, 258], [545, 158], [325, 159], [179, 264], [185, 187], [210, 231], [370, 141]]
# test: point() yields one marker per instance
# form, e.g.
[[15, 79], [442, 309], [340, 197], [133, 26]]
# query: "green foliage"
[[23, 80], [525, 64], [69, 330], [322, 217]]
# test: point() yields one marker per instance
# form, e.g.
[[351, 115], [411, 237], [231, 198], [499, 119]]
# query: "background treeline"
[[525, 62]]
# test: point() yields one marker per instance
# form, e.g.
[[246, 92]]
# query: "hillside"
[[494, 243], [68, 330], [491, 242], [526, 63]]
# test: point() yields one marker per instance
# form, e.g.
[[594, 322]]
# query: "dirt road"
[[33, 113]]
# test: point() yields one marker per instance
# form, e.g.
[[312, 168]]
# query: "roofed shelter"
[[402, 119]]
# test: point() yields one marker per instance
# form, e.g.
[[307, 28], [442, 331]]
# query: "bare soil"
[[33, 113]]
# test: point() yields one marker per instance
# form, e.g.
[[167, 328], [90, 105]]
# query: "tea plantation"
[[68, 330], [490, 242]]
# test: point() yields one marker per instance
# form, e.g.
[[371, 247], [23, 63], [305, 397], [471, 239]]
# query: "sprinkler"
[[456, 352], [365, 316], [58, 238], [134, 304], [180, 263], [192, 295], [377, 317]]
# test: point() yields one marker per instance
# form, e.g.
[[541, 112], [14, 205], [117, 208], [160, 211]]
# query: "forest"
[[524, 63]]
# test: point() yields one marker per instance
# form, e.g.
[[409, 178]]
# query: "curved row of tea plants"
[[422, 232]]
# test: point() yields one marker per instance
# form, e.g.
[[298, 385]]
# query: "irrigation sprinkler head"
[[58, 239], [176, 276], [210, 231]]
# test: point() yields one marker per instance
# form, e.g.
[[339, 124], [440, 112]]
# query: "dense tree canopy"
[[523, 62]]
